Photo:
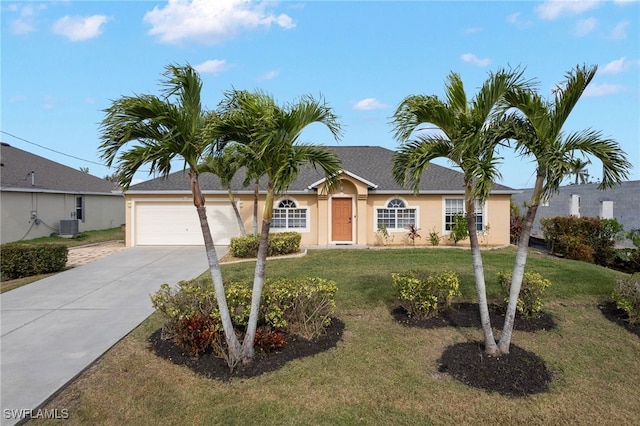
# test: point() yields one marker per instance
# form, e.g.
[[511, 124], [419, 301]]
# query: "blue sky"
[[63, 62]]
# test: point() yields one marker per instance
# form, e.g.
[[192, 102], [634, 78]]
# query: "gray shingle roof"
[[370, 163], [48, 176]]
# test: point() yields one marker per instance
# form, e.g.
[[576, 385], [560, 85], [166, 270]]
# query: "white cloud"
[[269, 75], [585, 26], [624, 2], [516, 20], [473, 30], [79, 28], [616, 66], [210, 22], [619, 32], [212, 66], [26, 21], [555, 9], [603, 89], [369, 104], [470, 58]]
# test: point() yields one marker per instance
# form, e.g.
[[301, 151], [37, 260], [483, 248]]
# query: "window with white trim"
[[287, 215], [396, 215], [79, 213], [455, 207]]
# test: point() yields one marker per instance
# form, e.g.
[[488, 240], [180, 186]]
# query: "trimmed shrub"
[[190, 314], [627, 296], [25, 260], [301, 306], [589, 239], [425, 295], [279, 243], [298, 306], [244, 247], [530, 298]]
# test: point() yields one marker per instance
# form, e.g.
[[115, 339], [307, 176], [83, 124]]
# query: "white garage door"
[[177, 223]]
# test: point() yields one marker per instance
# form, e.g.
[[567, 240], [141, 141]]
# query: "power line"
[[52, 150]]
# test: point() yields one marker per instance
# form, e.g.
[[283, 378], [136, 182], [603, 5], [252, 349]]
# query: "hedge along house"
[[161, 212], [622, 202], [39, 197]]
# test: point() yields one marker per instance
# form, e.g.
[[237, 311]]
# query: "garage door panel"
[[166, 223]]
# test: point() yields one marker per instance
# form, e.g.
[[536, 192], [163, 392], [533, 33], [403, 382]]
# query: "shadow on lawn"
[[618, 316]]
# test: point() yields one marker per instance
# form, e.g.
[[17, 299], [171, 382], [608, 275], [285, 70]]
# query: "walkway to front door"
[[341, 213]]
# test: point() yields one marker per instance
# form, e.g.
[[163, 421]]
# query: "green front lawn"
[[382, 372], [84, 238]]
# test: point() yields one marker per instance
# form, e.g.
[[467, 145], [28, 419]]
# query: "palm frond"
[[414, 156], [615, 166], [568, 94], [417, 110], [165, 127]]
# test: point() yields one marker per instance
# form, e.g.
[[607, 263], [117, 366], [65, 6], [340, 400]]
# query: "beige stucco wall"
[[430, 210], [431, 218], [101, 212]]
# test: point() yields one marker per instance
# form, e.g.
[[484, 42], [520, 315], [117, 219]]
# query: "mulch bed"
[[210, 366], [517, 374], [468, 315]]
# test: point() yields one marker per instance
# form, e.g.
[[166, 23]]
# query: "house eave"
[[369, 184], [57, 191]]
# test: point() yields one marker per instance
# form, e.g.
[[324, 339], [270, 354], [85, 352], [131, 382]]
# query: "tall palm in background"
[[224, 165], [268, 139], [462, 126], [537, 131], [168, 127], [244, 120], [579, 170]]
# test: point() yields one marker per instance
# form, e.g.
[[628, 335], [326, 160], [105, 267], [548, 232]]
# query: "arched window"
[[396, 215], [287, 215]]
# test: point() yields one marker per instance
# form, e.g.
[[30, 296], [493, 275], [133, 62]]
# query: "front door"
[[341, 228]]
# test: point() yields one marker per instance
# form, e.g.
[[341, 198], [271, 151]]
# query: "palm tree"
[[269, 139], [244, 119], [538, 133], [172, 126], [462, 126], [579, 169], [225, 166]]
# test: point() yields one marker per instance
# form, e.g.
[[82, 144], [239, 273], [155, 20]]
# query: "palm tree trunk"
[[478, 272], [520, 263], [258, 279], [232, 199], [216, 273], [256, 190]]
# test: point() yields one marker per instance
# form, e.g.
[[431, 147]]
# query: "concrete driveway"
[[55, 328]]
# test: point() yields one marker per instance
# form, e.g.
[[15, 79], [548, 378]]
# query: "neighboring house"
[[161, 211], [622, 202], [39, 197]]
